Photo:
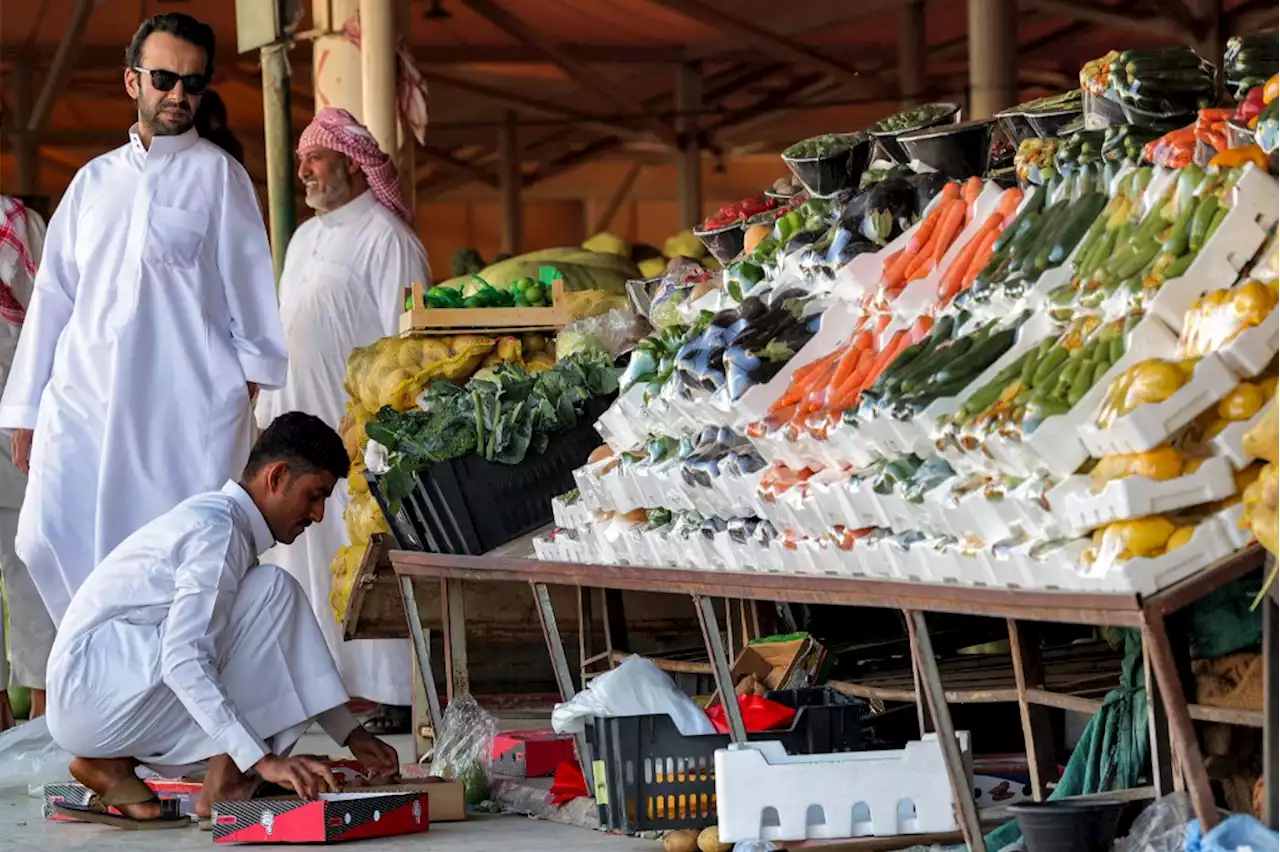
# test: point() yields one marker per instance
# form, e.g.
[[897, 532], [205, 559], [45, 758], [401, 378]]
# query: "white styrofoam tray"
[[1255, 348], [1082, 510], [762, 793], [1154, 423], [1148, 575], [1230, 441]]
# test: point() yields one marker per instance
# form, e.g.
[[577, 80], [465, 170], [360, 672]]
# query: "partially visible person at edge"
[[184, 653], [154, 321], [30, 630], [342, 288], [211, 124]]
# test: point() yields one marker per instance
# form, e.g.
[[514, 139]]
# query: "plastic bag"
[[612, 333], [1240, 833], [1160, 828], [756, 846], [30, 758], [463, 748], [635, 688]]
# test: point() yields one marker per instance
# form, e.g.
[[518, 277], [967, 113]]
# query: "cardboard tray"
[[333, 818]]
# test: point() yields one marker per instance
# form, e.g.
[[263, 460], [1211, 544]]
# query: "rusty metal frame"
[[1181, 762]]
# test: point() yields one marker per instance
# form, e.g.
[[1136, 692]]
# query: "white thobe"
[[154, 304], [181, 646], [342, 288], [24, 648]]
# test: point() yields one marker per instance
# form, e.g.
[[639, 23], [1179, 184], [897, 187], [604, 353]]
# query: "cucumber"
[[1115, 349], [1065, 379], [1090, 206], [1081, 385], [1099, 373], [1136, 260], [1180, 234], [1217, 220], [1048, 367], [1031, 363], [1204, 214]]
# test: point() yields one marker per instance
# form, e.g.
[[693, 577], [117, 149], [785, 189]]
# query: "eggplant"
[[643, 364], [927, 186], [801, 240], [752, 308], [891, 204]]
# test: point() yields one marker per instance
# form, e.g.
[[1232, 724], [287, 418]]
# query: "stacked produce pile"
[[957, 382]]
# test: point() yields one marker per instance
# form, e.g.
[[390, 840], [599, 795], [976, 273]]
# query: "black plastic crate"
[[469, 506], [649, 776]]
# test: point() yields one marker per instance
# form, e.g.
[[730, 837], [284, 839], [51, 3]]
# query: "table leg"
[[957, 770], [1270, 705], [1163, 777], [1037, 730], [560, 665], [422, 654], [454, 616], [720, 667], [1181, 728]]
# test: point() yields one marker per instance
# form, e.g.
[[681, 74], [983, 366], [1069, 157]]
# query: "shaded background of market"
[[769, 74]]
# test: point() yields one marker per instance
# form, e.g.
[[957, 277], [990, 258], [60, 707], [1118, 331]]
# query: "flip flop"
[[389, 720], [128, 792]]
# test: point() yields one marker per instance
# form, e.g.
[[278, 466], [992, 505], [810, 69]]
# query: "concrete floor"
[[23, 828]]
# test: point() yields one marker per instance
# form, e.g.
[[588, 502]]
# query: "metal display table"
[[384, 604]]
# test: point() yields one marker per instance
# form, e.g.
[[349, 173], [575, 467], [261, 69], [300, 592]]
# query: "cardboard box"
[[448, 798], [531, 754], [767, 666], [333, 818], [178, 798]]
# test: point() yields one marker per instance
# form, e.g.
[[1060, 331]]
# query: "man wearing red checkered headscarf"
[[342, 288]]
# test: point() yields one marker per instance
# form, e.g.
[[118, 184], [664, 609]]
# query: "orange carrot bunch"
[[932, 239], [824, 389], [976, 254]]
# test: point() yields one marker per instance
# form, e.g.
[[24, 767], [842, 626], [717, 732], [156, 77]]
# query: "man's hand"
[[306, 776], [253, 390], [20, 446], [374, 755]]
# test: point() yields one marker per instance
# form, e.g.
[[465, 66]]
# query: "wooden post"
[[455, 638], [912, 52], [406, 160], [689, 99], [278, 129], [378, 70], [335, 61], [993, 44], [1037, 733], [1212, 43], [511, 180], [25, 150]]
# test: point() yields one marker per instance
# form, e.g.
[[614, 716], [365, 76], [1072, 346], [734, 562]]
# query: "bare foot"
[[224, 782], [100, 775], [6, 712]]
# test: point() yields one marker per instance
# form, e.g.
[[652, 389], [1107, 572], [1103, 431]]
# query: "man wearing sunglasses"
[[153, 321]]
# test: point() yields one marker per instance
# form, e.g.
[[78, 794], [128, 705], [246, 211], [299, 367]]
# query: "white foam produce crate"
[[1233, 519], [1253, 350], [1056, 445], [1152, 424], [1254, 210], [1148, 575], [763, 793], [1230, 441], [1082, 510]]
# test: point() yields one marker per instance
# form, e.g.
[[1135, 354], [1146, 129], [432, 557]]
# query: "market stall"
[[933, 375]]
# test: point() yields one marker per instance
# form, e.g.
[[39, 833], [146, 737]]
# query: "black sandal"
[[127, 792], [390, 720]]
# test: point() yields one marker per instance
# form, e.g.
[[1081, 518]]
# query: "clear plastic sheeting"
[[30, 758], [635, 688], [1162, 827], [1240, 833], [464, 747]]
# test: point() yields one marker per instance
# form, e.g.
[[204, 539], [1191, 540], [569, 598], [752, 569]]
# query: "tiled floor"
[[23, 828]]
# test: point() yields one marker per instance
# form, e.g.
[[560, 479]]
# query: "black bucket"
[[1079, 825]]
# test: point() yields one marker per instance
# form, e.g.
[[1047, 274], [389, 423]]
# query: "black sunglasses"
[[164, 81]]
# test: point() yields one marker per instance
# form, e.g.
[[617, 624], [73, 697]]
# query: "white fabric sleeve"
[[211, 564], [339, 723], [248, 277], [53, 298], [396, 263]]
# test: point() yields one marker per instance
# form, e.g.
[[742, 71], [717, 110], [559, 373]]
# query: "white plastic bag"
[[29, 757], [635, 688], [1159, 828]]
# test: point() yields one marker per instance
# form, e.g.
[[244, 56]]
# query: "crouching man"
[[183, 653]]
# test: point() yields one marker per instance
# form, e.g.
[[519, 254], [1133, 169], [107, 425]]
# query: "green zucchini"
[[1204, 214], [1049, 366]]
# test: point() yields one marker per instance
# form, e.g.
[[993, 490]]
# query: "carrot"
[[943, 233], [980, 259], [952, 276], [972, 189], [948, 228], [801, 387], [1010, 201]]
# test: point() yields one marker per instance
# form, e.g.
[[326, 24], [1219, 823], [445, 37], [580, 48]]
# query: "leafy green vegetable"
[[502, 415]]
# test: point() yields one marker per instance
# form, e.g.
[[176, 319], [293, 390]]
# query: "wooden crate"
[[424, 320]]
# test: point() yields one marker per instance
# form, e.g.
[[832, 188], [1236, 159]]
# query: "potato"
[[684, 840], [709, 841]]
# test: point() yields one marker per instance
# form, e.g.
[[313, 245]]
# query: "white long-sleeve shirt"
[[181, 573], [154, 304]]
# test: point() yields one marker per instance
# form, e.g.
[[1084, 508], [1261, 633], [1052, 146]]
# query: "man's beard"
[[169, 119], [333, 196]]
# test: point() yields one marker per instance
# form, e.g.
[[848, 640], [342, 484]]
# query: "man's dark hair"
[[211, 123], [178, 25], [302, 441]]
